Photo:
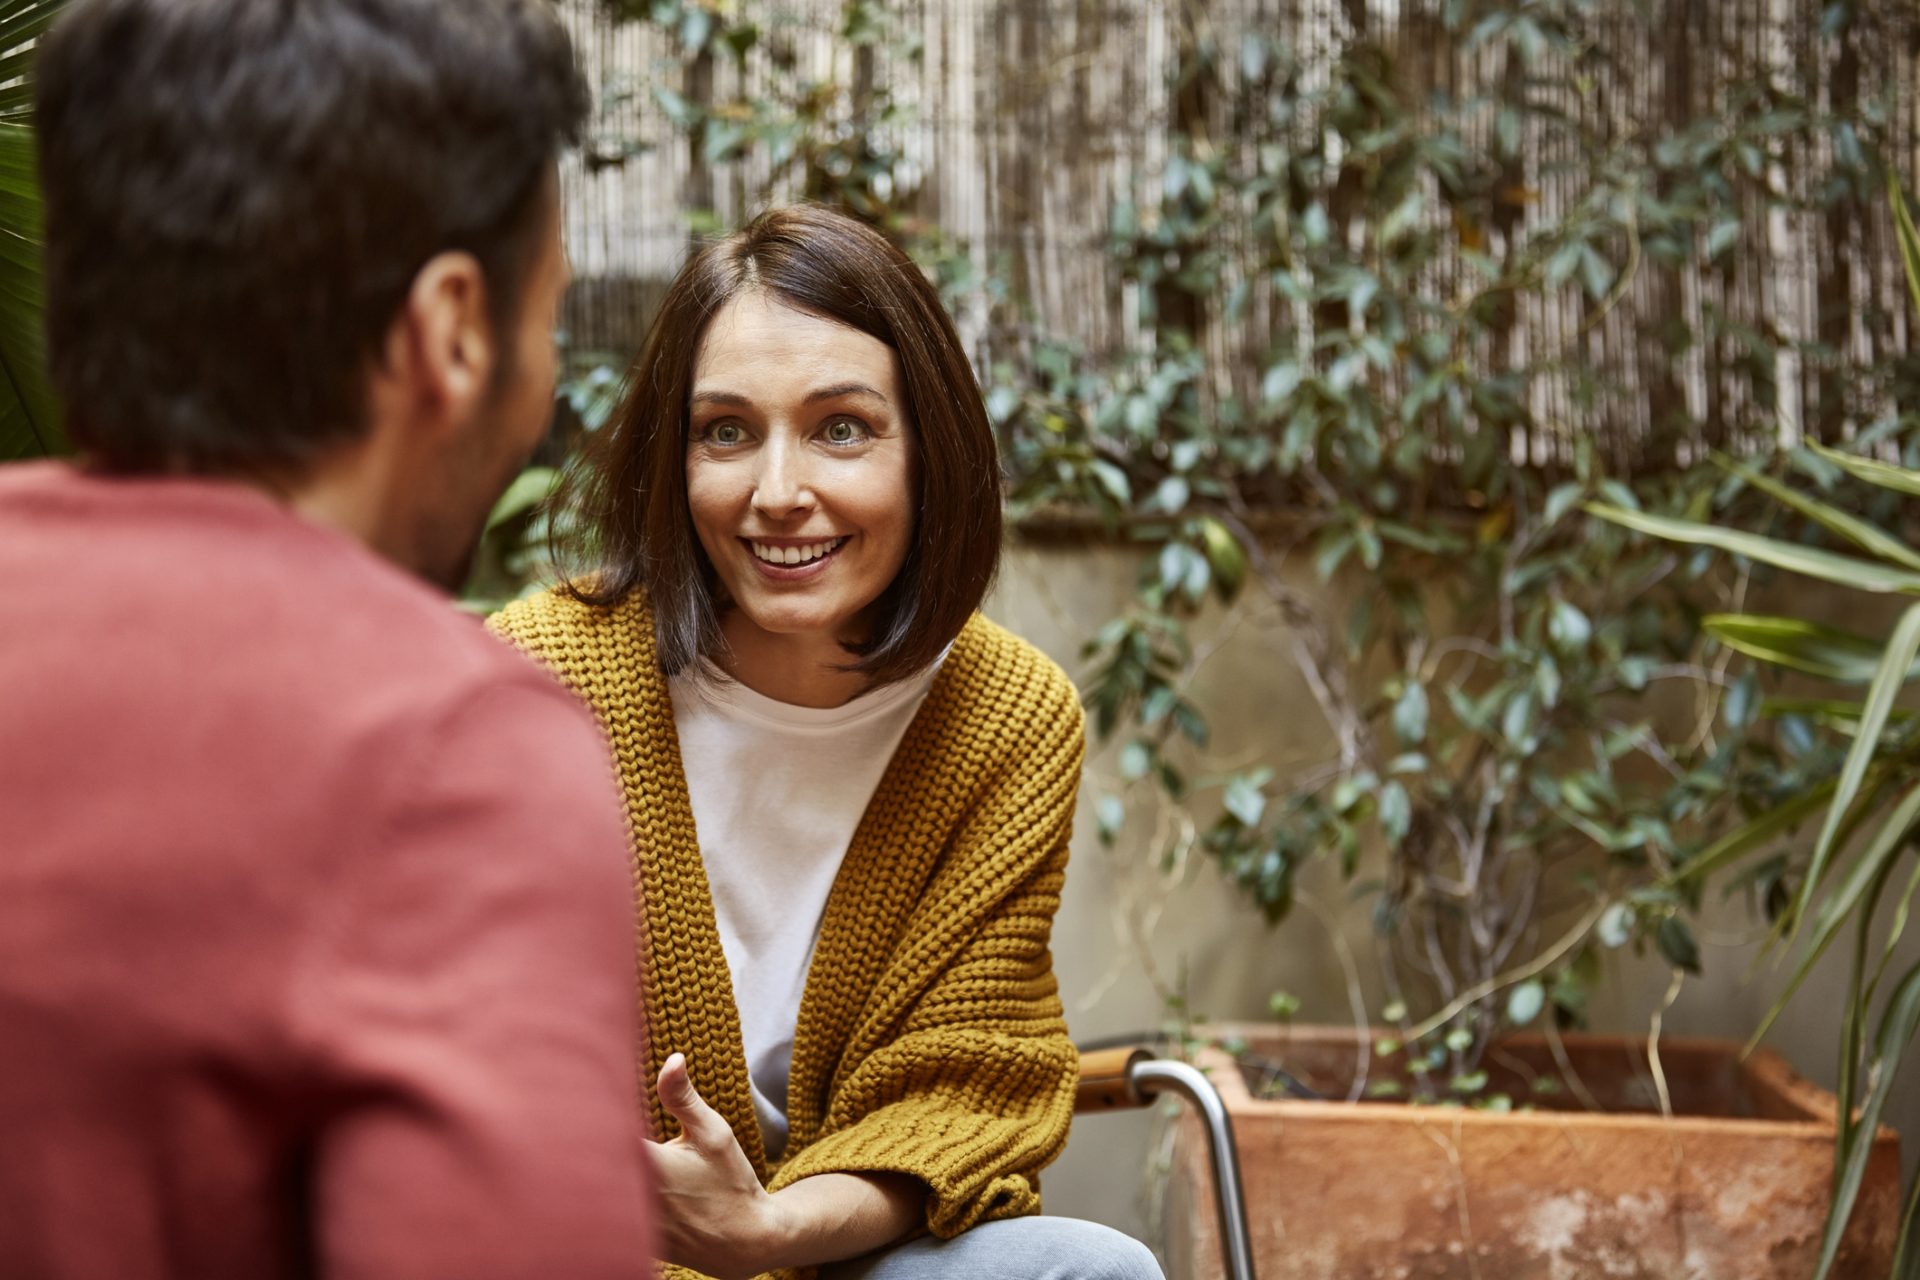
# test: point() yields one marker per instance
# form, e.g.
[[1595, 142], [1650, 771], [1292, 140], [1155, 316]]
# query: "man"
[[316, 936]]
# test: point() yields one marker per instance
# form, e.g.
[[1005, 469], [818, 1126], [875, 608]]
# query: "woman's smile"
[[784, 560]]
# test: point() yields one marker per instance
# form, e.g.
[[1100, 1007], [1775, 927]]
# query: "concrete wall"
[[1130, 931]]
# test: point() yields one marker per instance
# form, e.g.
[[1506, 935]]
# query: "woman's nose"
[[781, 487]]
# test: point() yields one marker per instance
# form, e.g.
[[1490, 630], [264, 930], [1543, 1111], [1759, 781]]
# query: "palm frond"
[[29, 412]]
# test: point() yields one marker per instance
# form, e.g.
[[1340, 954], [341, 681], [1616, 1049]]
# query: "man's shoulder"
[[185, 607]]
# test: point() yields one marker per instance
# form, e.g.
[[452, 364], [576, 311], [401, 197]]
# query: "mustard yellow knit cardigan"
[[930, 1039]]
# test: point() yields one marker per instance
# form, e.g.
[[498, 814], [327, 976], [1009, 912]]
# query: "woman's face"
[[799, 466]]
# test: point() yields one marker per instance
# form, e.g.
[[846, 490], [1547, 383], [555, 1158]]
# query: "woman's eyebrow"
[[733, 398], [839, 389]]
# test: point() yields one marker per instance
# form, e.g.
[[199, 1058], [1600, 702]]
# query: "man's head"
[[283, 231]]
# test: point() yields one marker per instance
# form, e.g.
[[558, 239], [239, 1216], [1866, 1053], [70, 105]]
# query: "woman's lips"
[[822, 553]]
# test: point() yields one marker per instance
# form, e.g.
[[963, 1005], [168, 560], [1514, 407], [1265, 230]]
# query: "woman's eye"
[[725, 433], [845, 431]]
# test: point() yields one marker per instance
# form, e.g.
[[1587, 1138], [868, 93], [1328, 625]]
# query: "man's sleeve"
[[472, 1010]]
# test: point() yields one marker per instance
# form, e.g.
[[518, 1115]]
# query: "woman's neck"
[[802, 670]]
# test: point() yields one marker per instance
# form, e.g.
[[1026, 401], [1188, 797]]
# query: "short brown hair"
[[239, 195], [631, 497]]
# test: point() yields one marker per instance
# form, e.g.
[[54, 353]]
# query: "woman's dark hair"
[[631, 496], [239, 194]]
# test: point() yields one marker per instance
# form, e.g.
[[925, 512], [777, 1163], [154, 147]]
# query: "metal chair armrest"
[[1131, 1077]]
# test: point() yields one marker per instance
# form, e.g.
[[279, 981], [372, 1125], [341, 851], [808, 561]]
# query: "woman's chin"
[[795, 619]]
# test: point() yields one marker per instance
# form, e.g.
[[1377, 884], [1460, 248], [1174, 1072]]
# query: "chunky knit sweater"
[[930, 1039]]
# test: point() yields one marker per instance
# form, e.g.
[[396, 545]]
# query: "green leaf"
[[1396, 811], [1113, 480], [1568, 627], [1524, 1003], [1562, 500], [1724, 235], [1347, 792], [696, 27], [1596, 273], [1829, 711], [1855, 530], [1468, 1082], [1742, 697], [1368, 540], [1839, 906], [1333, 548], [681, 112], [1280, 382], [1002, 404], [1901, 651], [1890, 1045], [1226, 555], [1314, 225], [528, 490], [30, 423], [1516, 723], [1676, 943], [1898, 479], [1410, 715], [1812, 647], [1906, 234], [1616, 926], [1245, 801], [1142, 416], [1846, 571], [1756, 834]]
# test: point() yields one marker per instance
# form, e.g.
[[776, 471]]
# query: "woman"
[[850, 794]]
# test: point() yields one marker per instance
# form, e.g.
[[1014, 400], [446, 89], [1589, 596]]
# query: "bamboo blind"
[[1028, 119]]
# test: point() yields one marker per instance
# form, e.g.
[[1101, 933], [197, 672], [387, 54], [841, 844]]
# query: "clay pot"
[[1732, 1187]]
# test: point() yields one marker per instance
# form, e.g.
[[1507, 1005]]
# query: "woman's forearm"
[[833, 1216]]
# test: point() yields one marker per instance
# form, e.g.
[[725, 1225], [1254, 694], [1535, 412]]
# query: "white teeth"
[[795, 555]]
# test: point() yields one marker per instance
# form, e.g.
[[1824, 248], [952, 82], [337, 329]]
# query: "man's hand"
[[716, 1217]]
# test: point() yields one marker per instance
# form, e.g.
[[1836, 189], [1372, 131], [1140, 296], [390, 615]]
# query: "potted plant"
[[1527, 726], [1869, 813]]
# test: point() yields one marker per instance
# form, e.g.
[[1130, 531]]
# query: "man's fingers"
[[701, 1123]]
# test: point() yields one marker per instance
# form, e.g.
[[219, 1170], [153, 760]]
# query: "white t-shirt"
[[777, 791]]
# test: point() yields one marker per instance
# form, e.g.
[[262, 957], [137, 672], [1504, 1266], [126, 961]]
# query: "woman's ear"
[[441, 346]]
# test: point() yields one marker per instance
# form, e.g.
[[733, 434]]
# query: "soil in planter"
[[1526, 1072]]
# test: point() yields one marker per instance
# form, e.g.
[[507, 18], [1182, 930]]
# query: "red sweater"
[[316, 942]]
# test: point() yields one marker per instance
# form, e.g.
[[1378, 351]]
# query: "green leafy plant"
[[29, 414], [1870, 811], [1497, 670], [1497, 674]]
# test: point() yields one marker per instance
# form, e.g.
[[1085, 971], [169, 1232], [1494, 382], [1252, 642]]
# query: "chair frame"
[[1128, 1078]]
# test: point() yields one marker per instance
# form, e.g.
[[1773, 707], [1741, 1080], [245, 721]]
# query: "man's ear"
[[442, 343]]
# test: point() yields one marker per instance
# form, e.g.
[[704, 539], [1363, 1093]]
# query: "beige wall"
[[1128, 929]]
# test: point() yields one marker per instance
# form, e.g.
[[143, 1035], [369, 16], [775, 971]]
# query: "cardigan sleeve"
[[974, 1093]]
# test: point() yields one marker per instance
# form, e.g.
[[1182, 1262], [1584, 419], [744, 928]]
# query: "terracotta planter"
[[1732, 1187]]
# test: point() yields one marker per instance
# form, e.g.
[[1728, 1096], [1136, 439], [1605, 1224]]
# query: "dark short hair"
[[239, 194], [631, 497]]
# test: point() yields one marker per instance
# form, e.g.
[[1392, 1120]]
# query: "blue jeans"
[[1011, 1249]]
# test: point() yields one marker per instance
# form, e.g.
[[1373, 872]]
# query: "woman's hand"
[[716, 1217]]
